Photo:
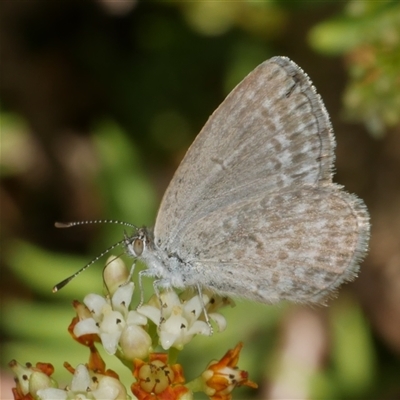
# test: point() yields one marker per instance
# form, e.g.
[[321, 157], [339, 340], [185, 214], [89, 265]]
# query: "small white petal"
[[110, 388], [169, 300], [79, 396], [39, 380], [95, 303], [167, 339], [192, 309], [86, 326], [113, 321], [81, 380], [174, 332], [123, 296], [51, 394], [106, 309], [22, 373], [105, 392], [110, 341], [219, 319], [152, 313], [175, 324], [135, 318], [200, 328]]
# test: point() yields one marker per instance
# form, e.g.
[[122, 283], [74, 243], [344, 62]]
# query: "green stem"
[[173, 355], [196, 385]]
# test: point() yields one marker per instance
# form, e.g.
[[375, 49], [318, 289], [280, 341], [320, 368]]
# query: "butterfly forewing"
[[271, 132]]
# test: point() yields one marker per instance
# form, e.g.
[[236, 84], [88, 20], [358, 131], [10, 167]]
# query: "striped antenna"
[[60, 285], [99, 221]]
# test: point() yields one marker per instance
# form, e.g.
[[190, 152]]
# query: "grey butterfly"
[[252, 210]]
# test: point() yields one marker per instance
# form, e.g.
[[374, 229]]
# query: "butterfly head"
[[138, 243]]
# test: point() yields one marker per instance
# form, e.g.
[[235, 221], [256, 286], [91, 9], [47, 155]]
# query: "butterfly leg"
[[203, 306], [156, 284], [129, 278], [131, 273], [141, 274]]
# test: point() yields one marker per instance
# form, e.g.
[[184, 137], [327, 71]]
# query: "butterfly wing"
[[299, 244], [271, 132], [252, 209]]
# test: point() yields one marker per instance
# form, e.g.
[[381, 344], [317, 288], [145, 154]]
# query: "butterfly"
[[252, 210]]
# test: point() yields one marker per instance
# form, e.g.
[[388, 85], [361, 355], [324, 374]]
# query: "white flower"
[[109, 388], [180, 320], [30, 379], [115, 324], [52, 394], [81, 381], [87, 386]]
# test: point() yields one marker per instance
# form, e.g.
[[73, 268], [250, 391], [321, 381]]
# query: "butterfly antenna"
[[99, 221], [60, 285]]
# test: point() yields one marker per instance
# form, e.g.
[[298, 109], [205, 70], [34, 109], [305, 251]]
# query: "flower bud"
[[109, 388], [135, 342], [40, 380], [115, 274]]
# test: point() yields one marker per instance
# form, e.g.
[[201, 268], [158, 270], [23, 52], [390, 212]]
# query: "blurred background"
[[99, 102]]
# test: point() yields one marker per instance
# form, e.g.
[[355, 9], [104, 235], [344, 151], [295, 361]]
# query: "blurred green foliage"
[[367, 33]]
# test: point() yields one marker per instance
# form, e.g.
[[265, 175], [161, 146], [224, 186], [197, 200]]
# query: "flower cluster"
[[179, 319], [113, 323], [168, 321], [91, 381], [156, 379], [222, 376]]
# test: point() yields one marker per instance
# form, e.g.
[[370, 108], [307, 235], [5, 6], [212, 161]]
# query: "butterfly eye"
[[138, 246]]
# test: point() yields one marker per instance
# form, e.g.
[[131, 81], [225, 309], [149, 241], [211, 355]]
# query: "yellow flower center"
[[155, 377]]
